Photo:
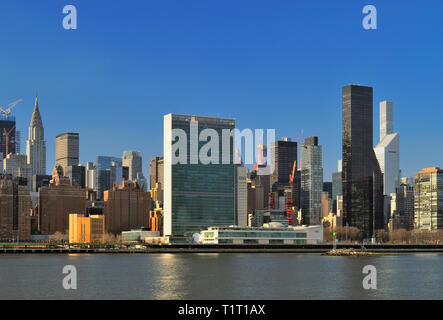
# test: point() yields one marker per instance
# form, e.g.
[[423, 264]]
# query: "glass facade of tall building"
[[284, 153], [362, 177], [197, 195], [109, 170], [7, 124], [428, 199]]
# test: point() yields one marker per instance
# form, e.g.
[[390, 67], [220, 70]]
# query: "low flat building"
[[138, 235], [272, 233], [84, 229]]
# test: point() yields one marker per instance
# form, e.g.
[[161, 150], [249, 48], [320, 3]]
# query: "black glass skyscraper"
[[362, 177]]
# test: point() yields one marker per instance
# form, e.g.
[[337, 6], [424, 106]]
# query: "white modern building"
[[36, 144], [388, 149], [271, 233]]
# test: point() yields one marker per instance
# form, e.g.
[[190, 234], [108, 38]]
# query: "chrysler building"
[[36, 145]]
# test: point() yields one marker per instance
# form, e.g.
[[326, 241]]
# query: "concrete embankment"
[[194, 248]]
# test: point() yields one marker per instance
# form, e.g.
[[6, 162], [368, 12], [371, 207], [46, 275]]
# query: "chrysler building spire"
[[36, 144]]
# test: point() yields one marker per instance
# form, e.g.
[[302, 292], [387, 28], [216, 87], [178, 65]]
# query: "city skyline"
[[253, 84]]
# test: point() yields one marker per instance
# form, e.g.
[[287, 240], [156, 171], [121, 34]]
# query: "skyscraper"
[[311, 181], [197, 195], [67, 149], [388, 149], [284, 153], [362, 177], [241, 191], [36, 144], [109, 170]]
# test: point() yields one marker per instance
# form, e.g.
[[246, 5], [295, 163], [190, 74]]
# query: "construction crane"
[[289, 196], [7, 112]]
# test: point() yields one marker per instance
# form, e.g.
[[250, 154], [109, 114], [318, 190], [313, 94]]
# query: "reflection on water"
[[220, 276]]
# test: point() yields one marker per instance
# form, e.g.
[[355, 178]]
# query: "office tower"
[[67, 150], [76, 175], [17, 166], [241, 191], [361, 177], [126, 207], [133, 160], [388, 149], [197, 195], [428, 199], [311, 181], [156, 171], [91, 176], [284, 153], [337, 187], [36, 144], [109, 170], [262, 154], [84, 229], [402, 208], [325, 199], [7, 134], [57, 201], [15, 209]]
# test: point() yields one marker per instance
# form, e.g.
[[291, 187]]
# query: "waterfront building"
[[138, 235], [15, 209], [67, 149], [17, 165], [402, 208], [156, 171], [57, 201], [36, 144], [311, 181], [284, 153], [428, 199], [156, 220], [83, 229], [126, 207], [198, 195], [388, 149], [241, 194], [272, 233], [361, 177]]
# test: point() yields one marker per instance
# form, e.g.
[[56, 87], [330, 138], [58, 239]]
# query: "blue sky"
[[268, 64]]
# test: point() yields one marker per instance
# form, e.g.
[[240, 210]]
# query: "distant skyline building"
[[428, 199], [337, 186], [17, 166], [387, 150], [156, 171], [284, 153], [109, 170], [36, 144], [67, 149], [197, 195], [362, 177], [133, 160], [311, 181]]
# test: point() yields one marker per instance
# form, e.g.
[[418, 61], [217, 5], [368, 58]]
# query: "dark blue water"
[[221, 276]]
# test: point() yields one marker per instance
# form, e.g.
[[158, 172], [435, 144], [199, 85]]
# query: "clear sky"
[[268, 64]]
